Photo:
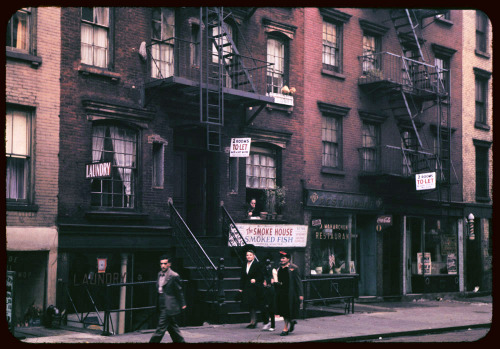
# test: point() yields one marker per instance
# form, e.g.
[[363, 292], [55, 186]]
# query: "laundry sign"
[[98, 170], [240, 147]]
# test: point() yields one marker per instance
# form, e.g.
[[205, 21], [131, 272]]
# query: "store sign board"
[[240, 147], [425, 181], [98, 170], [330, 199], [273, 235]]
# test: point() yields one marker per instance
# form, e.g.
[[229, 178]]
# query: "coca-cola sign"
[[384, 221]]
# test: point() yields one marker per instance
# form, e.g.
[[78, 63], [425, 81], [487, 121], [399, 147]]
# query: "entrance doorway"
[[391, 259]]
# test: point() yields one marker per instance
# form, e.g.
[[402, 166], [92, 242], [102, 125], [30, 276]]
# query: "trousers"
[[166, 323]]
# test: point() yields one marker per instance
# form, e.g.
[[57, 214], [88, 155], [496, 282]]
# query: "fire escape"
[[412, 88], [208, 77]]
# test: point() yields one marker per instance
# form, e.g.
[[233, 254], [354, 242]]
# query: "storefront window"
[[333, 249]]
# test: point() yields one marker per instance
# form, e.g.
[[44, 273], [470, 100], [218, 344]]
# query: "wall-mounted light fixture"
[[470, 220]]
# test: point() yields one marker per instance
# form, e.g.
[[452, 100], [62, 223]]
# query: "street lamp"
[[470, 219]]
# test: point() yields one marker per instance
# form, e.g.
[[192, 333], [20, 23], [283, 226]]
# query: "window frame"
[[445, 71], [163, 68], [375, 147], [481, 99], [108, 49], [337, 157], [337, 47], [30, 31], [481, 173], [481, 32], [377, 48], [29, 157], [271, 72], [116, 176]]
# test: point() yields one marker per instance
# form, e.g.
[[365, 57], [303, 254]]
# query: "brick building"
[[344, 108], [32, 163], [477, 116]]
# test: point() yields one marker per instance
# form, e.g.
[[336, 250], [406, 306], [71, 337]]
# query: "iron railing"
[[183, 58], [331, 289], [414, 76], [232, 234]]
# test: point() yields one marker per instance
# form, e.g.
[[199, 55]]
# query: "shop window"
[[19, 155], [95, 36], [334, 247], [162, 40], [117, 145]]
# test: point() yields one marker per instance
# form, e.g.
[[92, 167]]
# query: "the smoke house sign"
[[98, 170]]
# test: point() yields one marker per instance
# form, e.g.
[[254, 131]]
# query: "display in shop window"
[[426, 263]]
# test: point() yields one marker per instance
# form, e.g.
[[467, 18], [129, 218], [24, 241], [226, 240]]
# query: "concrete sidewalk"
[[374, 320]]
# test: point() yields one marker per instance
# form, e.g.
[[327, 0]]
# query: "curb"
[[403, 333]]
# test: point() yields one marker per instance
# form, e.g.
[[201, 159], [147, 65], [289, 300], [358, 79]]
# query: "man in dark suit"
[[170, 302]]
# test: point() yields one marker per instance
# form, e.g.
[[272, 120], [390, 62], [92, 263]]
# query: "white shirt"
[[248, 266]]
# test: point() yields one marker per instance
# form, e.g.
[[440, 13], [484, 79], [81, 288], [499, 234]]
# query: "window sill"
[[332, 171], [333, 74], [281, 102], [35, 61], [482, 199], [481, 126], [482, 54], [22, 208], [90, 70], [444, 21], [112, 215]]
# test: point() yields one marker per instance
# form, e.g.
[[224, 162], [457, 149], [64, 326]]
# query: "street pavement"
[[329, 324]]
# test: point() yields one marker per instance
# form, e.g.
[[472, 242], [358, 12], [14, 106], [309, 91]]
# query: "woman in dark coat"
[[289, 293], [251, 284]]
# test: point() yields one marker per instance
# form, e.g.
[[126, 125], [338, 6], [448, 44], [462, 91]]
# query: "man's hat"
[[284, 254]]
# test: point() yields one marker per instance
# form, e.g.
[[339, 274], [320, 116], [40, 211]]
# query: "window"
[[158, 164], [163, 39], [261, 175], [332, 45], [443, 70], [95, 36], [371, 46], [481, 97], [482, 191], [195, 44], [409, 144], [481, 31], [117, 145], [222, 41], [331, 137], [19, 30], [276, 70], [18, 153], [370, 134]]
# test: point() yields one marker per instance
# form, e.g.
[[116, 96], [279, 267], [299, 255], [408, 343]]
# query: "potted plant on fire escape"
[[275, 201]]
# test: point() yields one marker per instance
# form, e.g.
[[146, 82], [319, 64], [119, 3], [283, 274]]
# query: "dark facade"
[[160, 93]]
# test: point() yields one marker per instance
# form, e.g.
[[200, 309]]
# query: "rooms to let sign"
[[240, 147]]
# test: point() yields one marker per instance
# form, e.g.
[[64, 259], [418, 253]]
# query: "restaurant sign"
[[323, 198], [98, 170], [273, 235]]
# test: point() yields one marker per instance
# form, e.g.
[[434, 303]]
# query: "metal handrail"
[[232, 233]]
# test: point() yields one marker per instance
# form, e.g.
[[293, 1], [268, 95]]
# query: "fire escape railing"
[[204, 265], [232, 234], [411, 75]]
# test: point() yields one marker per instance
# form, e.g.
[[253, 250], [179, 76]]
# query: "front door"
[[391, 259]]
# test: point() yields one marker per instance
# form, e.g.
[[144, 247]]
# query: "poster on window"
[[274, 235], [451, 263], [426, 262], [10, 297]]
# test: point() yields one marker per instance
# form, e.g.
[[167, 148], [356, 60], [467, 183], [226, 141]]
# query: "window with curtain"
[[95, 36], [370, 139], [18, 30], [371, 46], [331, 138], [332, 45], [158, 164], [163, 40], [261, 168], [276, 70], [443, 70], [482, 172], [118, 145], [18, 153], [481, 31], [481, 95]]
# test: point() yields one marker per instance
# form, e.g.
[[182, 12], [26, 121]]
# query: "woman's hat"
[[249, 248], [284, 254]]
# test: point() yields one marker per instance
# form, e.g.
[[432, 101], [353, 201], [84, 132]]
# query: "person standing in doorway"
[[170, 302], [251, 284], [269, 306], [289, 293]]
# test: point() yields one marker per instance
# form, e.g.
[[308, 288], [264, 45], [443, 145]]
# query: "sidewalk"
[[373, 320]]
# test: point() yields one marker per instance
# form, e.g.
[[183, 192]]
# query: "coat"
[[172, 291], [252, 293], [295, 290]]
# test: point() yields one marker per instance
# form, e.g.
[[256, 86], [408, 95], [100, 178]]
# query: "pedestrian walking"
[[269, 306], [170, 302], [289, 293], [251, 285]]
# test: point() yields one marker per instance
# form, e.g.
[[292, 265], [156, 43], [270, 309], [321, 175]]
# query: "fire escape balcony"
[[394, 168], [176, 71], [385, 72]]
